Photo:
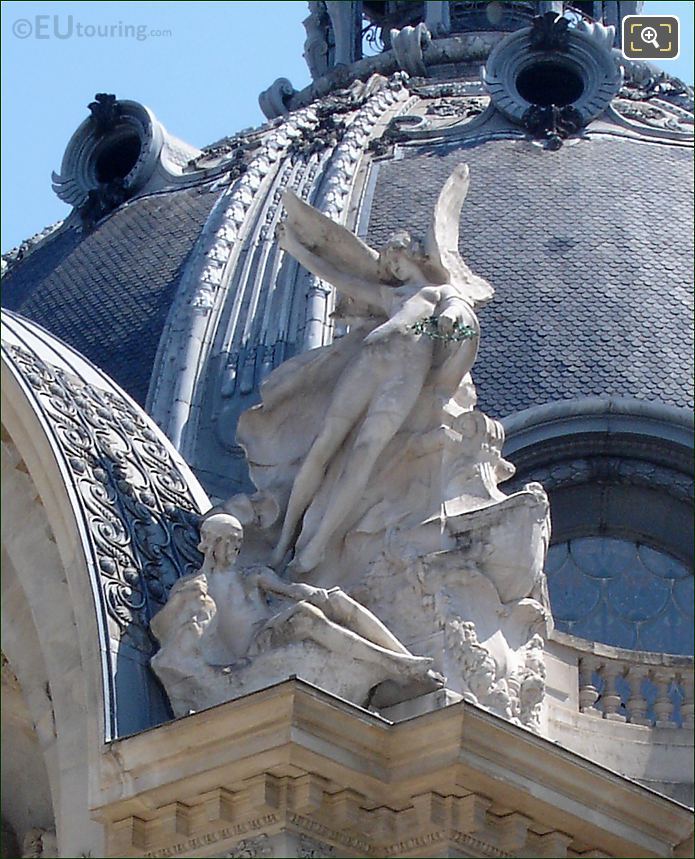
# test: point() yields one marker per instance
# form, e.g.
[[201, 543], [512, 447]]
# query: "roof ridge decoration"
[[431, 43], [645, 80], [14, 256], [660, 102], [413, 52]]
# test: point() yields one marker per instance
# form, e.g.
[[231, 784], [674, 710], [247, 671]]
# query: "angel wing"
[[329, 240], [442, 240]]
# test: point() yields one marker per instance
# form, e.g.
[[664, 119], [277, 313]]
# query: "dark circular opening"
[[549, 83], [117, 157]]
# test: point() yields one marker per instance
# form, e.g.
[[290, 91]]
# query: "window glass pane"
[[622, 593]]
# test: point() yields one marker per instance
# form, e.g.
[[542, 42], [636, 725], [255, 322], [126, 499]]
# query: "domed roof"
[[107, 292], [589, 262], [578, 214]]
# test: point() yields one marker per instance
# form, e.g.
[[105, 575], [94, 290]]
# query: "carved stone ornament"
[[250, 848], [111, 120], [407, 45], [317, 27], [377, 530], [397, 131], [40, 844], [461, 108], [142, 518], [105, 110], [644, 86], [448, 108], [274, 101], [621, 470], [309, 848], [102, 200], [549, 33], [582, 54], [658, 102], [552, 124], [655, 115], [113, 154]]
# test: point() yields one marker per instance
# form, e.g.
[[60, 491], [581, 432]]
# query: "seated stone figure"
[[226, 631]]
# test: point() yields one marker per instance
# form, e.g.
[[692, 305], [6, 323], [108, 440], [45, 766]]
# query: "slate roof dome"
[[167, 274]]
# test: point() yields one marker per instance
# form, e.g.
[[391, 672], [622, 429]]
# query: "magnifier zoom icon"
[[648, 35]]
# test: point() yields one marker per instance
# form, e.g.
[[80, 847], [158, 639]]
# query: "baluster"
[[663, 706], [637, 703], [610, 698], [687, 681], [588, 693]]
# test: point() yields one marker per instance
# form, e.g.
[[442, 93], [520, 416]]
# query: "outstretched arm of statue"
[[414, 310], [453, 308], [354, 287], [270, 582]]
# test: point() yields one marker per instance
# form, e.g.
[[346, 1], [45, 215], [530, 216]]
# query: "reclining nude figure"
[[424, 298], [227, 629], [242, 612]]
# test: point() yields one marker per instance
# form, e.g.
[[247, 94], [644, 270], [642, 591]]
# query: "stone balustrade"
[[630, 710], [640, 688]]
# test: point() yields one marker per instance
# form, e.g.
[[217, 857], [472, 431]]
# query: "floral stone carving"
[[378, 518]]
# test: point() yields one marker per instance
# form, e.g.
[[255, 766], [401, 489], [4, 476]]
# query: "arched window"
[[618, 474]]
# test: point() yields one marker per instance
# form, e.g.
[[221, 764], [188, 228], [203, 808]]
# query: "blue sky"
[[199, 66]]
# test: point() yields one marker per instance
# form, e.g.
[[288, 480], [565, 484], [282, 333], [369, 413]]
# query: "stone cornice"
[[295, 758], [468, 47]]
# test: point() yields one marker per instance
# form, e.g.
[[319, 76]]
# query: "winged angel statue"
[[377, 481], [329, 417]]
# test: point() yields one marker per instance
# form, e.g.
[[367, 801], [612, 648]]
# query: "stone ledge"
[[292, 760]]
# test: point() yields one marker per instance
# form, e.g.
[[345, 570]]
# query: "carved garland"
[[250, 848], [625, 471]]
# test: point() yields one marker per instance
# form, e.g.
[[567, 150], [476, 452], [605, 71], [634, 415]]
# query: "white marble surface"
[[377, 485]]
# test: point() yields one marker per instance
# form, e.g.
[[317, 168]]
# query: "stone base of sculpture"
[[353, 679], [491, 653]]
